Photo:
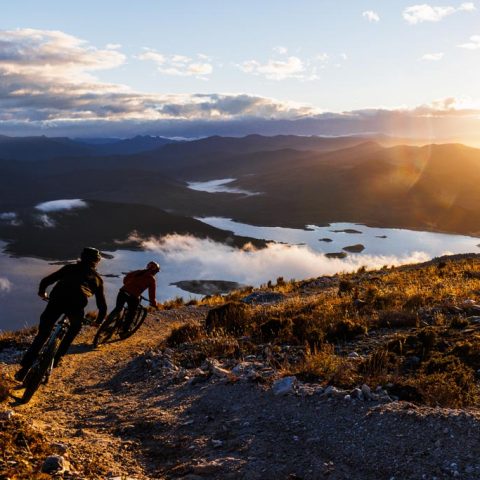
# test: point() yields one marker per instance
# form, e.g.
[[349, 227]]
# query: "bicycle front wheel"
[[107, 329], [39, 369]]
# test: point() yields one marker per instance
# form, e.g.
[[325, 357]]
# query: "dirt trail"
[[79, 409]]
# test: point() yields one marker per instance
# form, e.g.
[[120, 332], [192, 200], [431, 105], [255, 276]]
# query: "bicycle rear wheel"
[[138, 320], [39, 369], [107, 328]]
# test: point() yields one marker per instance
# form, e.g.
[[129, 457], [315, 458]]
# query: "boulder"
[[284, 385]]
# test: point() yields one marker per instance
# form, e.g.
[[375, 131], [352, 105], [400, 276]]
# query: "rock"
[[217, 443], [353, 355], [367, 393], [7, 415], [412, 362], [336, 255], [355, 248], [284, 385], [59, 447], [263, 297], [325, 240], [54, 464], [347, 398], [356, 393]]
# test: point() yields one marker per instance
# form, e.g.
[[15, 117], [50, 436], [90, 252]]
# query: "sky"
[[198, 67]]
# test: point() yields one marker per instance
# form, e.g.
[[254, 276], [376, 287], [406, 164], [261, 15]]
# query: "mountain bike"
[[116, 319], [43, 365]]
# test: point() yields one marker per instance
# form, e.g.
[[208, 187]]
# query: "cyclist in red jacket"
[[134, 284]]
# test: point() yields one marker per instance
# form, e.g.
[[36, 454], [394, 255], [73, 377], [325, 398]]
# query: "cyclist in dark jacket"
[[75, 283]]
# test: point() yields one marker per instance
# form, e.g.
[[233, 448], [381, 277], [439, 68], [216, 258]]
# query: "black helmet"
[[153, 266], [90, 255]]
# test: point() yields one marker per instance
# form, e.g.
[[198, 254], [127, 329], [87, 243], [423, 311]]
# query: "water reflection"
[[218, 186], [185, 257]]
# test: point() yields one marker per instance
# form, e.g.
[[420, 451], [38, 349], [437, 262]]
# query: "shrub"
[[376, 365], [397, 319], [468, 353], [459, 323], [19, 339], [272, 329], [345, 287], [323, 364], [188, 332], [345, 330], [231, 317], [308, 330]]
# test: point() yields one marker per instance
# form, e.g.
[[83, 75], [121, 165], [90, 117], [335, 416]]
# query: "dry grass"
[[327, 322], [23, 451]]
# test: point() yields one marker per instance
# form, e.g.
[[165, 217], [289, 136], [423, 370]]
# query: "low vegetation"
[[413, 329]]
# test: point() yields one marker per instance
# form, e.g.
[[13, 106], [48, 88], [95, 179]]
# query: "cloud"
[[291, 67], [281, 50], [371, 16], [209, 259], [10, 218], [5, 285], [473, 44], [427, 13], [432, 57], [58, 205], [45, 221], [48, 83], [179, 65]]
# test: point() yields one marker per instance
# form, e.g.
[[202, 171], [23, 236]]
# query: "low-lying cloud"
[[210, 260], [58, 205]]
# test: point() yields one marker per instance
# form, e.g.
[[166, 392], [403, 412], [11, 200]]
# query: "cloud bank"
[[48, 86], [208, 259]]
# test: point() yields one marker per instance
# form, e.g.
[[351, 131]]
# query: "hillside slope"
[[175, 402]]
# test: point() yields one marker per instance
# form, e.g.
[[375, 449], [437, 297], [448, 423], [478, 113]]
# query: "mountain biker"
[[75, 283], [134, 284]]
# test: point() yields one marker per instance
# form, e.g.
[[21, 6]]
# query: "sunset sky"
[[191, 68]]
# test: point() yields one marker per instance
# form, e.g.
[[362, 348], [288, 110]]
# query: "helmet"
[[153, 266], [90, 255]]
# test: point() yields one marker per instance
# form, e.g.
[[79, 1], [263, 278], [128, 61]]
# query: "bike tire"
[[138, 320], [107, 329], [37, 372]]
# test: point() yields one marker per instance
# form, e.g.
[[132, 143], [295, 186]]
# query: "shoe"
[[21, 374]]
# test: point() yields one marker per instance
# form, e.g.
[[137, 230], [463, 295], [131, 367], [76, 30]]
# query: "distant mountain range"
[[301, 180], [42, 148]]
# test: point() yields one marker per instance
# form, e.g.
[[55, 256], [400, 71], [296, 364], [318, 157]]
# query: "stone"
[[7, 415], [353, 355], [54, 464], [347, 398], [263, 298], [59, 447], [367, 393], [356, 393], [284, 385]]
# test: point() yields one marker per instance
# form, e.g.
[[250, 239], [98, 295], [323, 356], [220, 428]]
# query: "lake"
[[301, 254]]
